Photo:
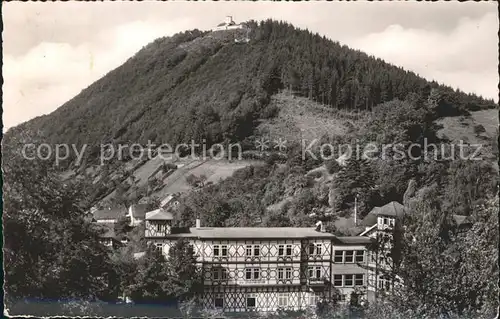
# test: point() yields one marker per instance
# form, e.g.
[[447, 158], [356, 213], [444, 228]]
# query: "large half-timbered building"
[[268, 268]]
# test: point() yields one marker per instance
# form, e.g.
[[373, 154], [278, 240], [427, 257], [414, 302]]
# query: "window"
[[251, 301], [360, 256], [315, 249], [253, 250], [359, 280], [219, 301], [159, 247], [220, 250], [318, 271], [339, 256], [219, 273], [342, 297], [349, 256], [252, 273], [348, 280], [256, 273], [284, 273], [314, 272], [337, 280], [384, 283], [282, 300], [285, 250], [386, 221]]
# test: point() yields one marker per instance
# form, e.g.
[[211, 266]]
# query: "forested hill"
[[197, 85]]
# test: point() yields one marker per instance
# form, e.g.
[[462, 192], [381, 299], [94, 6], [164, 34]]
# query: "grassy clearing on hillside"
[[462, 128], [300, 118], [214, 170]]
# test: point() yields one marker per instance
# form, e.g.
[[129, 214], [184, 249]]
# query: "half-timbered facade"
[[266, 268]]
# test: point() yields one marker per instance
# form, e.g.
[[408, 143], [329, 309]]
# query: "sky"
[[53, 50]]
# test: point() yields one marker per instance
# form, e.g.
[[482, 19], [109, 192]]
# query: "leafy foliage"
[[440, 265], [166, 281], [50, 250]]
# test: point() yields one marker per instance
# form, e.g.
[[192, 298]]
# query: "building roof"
[[226, 23], [353, 240], [346, 226], [165, 201], [254, 232], [109, 230], [370, 219], [139, 254], [111, 213], [159, 214], [139, 210], [392, 209], [461, 220]]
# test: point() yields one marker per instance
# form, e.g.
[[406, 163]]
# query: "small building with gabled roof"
[[109, 215], [158, 223]]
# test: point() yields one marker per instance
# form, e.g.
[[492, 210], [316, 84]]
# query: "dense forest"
[[197, 85]]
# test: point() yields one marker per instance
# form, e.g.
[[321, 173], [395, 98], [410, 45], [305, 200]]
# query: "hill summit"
[[200, 85]]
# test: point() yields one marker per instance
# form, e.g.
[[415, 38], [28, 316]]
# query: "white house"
[[259, 269]]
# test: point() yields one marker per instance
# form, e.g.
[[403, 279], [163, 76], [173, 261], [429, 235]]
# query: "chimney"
[[198, 223], [229, 19]]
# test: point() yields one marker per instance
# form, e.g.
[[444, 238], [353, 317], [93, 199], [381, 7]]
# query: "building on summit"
[[229, 24]]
